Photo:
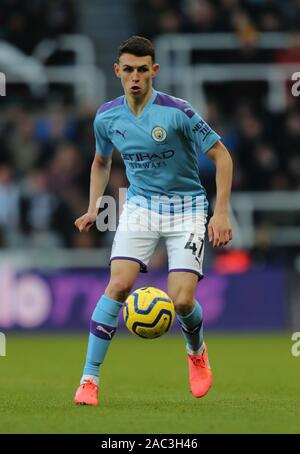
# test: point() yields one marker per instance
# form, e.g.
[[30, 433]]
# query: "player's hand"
[[85, 222], [219, 230]]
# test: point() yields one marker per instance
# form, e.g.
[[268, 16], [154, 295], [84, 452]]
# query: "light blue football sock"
[[103, 326], [192, 329]]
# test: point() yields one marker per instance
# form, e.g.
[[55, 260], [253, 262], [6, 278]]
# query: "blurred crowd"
[[264, 145], [45, 163], [25, 23], [245, 17]]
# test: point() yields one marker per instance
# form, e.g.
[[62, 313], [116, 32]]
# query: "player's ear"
[[155, 69], [117, 70]]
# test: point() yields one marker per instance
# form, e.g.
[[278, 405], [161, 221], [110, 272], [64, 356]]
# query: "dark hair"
[[138, 46]]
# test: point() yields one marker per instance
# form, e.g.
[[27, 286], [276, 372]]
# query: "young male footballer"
[[158, 137]]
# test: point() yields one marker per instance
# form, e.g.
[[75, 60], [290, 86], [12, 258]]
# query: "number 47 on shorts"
[[195, 246]]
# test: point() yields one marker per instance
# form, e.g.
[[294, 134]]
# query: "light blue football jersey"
[[159, 148]]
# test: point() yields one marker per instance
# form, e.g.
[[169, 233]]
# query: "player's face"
[[136, 74]]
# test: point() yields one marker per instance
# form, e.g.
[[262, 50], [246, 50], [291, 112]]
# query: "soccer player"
[[158, 137]]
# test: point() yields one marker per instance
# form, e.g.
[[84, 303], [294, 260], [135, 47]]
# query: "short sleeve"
[[103, 145], [197, 130]]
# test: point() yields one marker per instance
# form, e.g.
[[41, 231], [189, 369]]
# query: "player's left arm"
[[219, 227], [207, 141]]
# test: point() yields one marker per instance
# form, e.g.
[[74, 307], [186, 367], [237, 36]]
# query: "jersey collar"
[[145, 109]]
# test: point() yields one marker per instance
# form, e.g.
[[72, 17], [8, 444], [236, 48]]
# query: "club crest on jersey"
[[158, 134]]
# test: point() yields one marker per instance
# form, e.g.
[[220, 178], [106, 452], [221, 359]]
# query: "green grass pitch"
[[144, 386]]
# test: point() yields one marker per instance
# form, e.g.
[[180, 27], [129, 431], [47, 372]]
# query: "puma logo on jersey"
[[121, 133]]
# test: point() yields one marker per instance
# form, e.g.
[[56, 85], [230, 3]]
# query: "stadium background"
[[233, 60]]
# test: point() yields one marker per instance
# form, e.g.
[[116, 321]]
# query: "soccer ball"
[[148, 312]]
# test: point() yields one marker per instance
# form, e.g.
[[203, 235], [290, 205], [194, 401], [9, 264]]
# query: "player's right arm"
[[100, 172]]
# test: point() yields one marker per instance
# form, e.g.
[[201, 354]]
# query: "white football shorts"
[[139, 231]]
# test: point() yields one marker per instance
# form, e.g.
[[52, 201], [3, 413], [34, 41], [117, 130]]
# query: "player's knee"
[[183, 305], [118, 289]]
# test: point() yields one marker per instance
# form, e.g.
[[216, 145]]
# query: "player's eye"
[[144, 70], [127, 70]]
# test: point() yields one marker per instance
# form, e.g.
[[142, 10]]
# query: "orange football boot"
[[87, 393], [200, 373]]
